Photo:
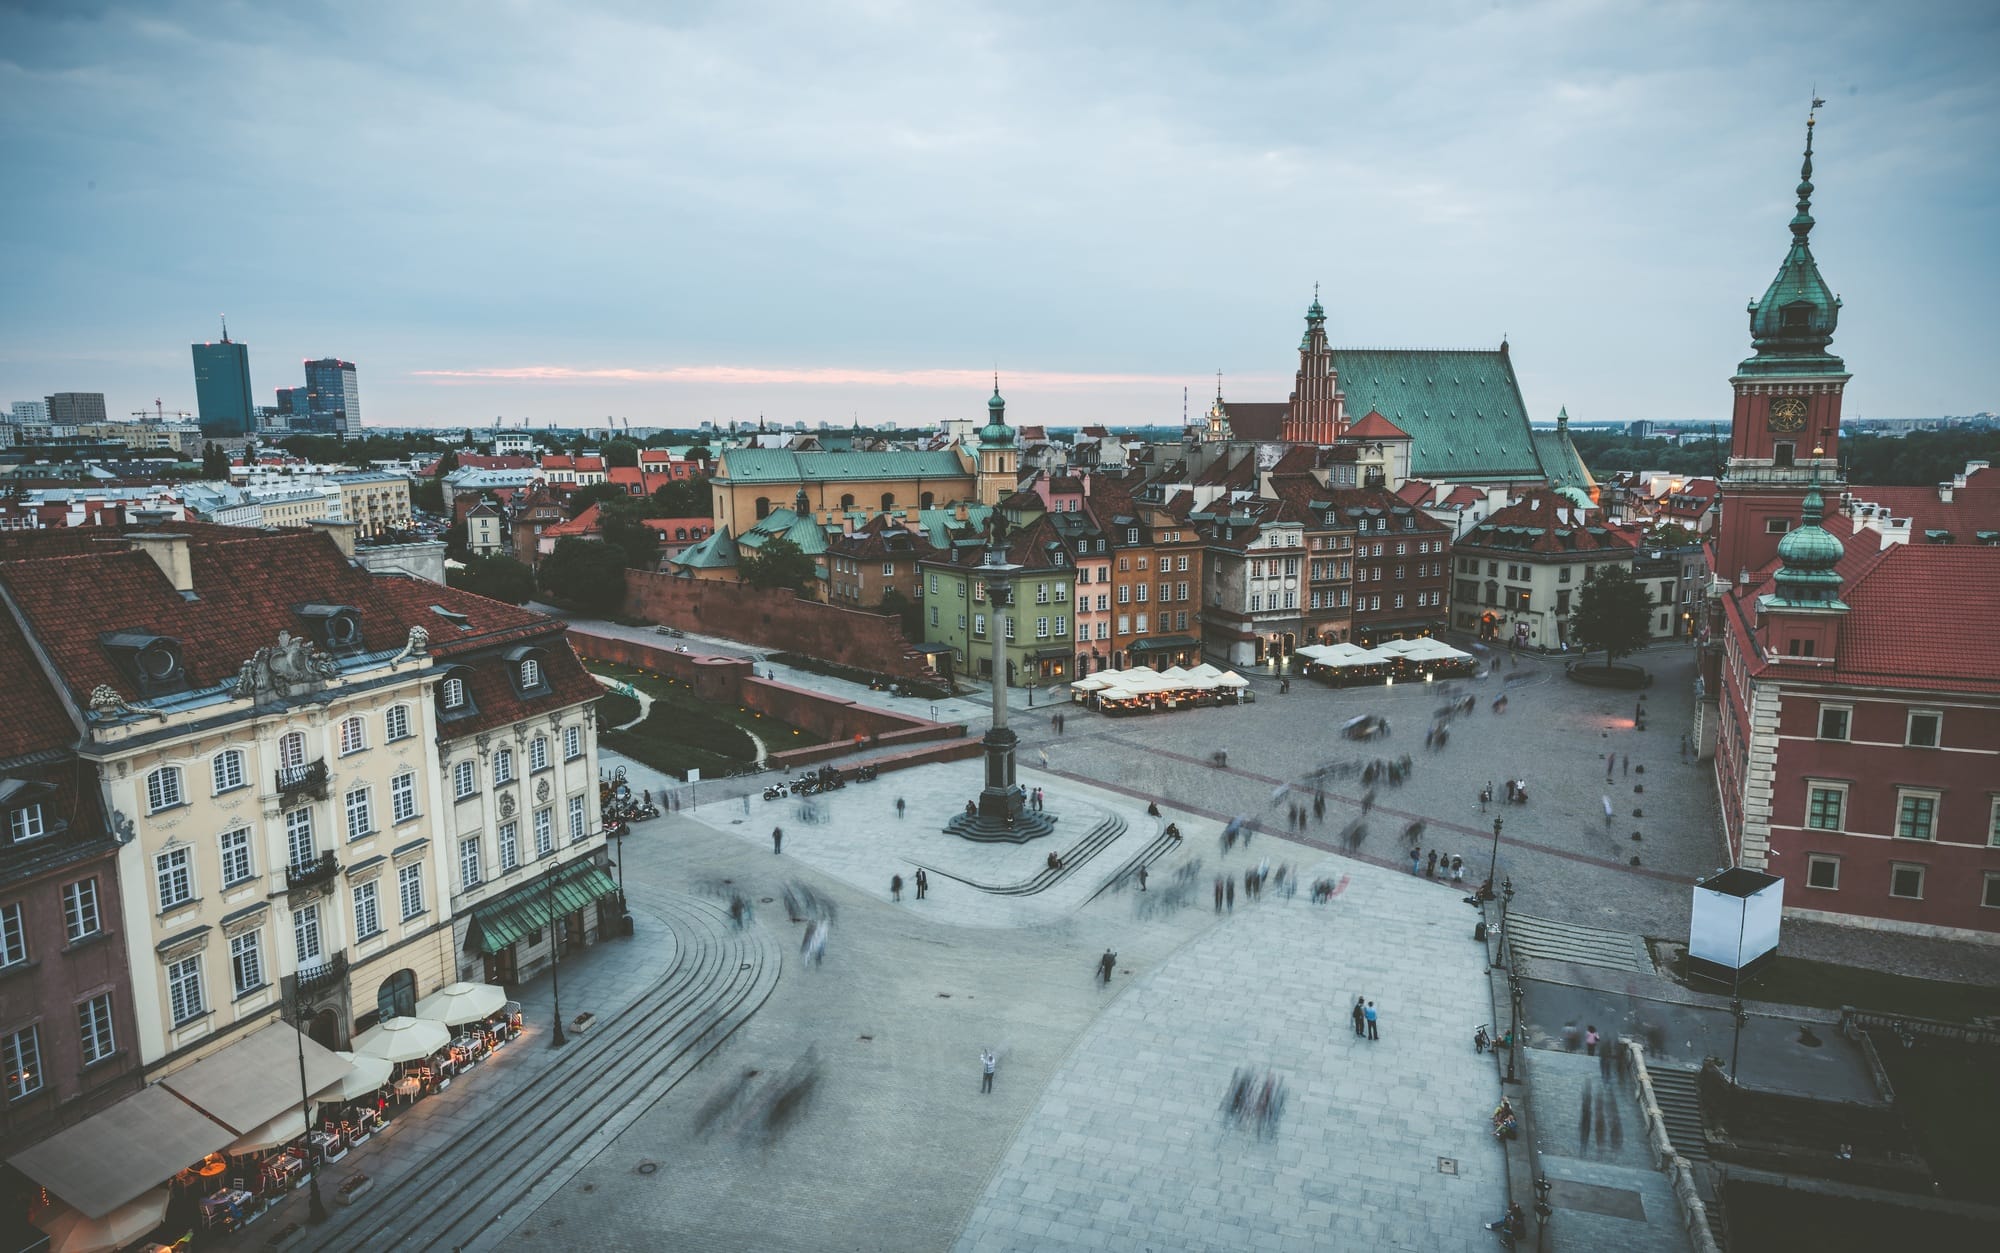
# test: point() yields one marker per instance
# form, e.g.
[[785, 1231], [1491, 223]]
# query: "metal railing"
[[310, 873], [307, 780], [328, 973]]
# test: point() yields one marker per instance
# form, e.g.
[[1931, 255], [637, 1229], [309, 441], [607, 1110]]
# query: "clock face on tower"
[[1787, 415]]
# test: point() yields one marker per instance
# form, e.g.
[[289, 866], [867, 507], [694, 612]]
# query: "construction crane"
[[158, 413]]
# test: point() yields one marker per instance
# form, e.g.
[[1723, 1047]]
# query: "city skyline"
[[692, 219]]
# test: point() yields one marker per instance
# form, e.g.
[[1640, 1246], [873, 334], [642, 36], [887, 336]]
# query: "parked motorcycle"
[[777, 791]]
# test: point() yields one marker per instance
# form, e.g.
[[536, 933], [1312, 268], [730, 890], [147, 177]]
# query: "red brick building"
[[1851, 678]]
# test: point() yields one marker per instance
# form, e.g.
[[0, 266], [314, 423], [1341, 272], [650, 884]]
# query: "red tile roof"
[[1414, 492], [583, 524], [1543, 521], [1921, 615], [1375, 426], [1972, 508], [35, 721]]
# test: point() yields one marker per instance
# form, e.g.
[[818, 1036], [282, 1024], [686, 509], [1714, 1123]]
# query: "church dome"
[[996, 433], [1809, 554]]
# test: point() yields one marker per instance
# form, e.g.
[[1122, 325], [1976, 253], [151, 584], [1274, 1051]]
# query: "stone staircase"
[[1161, 845], [1549, 939], [1100, 837], [1680, 1109]]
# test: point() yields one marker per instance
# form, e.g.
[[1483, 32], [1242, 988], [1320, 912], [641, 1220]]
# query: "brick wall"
[[776, 620]]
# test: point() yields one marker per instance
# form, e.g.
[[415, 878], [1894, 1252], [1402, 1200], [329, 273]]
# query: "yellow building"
[[376, 501]]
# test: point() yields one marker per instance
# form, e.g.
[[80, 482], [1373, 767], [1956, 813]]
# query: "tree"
[[622, 526], [447, 463], [779, 563], [429, 496], [1613, 613], [683, 498], [910, 612], [592, 494], [214, 461], [585, 574], [498, 576], [621, 452], [1671, 535]]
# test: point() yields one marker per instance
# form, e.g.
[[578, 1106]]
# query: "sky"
[[668, 213]]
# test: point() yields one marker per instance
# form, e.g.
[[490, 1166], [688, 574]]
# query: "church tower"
[[995, 480], [1316, 415], [1785, 428]]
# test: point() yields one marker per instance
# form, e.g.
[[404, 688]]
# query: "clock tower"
[[1785, 427]]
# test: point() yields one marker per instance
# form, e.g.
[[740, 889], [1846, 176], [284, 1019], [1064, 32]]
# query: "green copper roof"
[[802, 529], [1808, 578], [1461, 407], [996, 433], [1792, 325], [782, 465], [717, 552], [1558, 455], [938, 523]]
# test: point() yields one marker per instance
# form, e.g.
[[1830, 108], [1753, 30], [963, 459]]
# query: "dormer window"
[[531, 673], [152, 662], [525, 667], [1798, 316], [336, 628], [455, 694], [27, 823]]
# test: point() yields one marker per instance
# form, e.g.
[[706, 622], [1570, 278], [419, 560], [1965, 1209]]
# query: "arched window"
[[924, 501], [397, 997], [847, 501], [396, 723], [680, 533], [454, 693], [292, 750], [763, 506], [888, 500], [503, 766], [531, 674], [228, 767], [353, 735], [163, 789]]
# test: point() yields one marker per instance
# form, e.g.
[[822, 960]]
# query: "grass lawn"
[[685, 732], [1796, 981]]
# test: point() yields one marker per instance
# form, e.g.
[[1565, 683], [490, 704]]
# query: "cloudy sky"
[[670, 212]]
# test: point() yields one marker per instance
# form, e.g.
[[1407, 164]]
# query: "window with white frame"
[[454, 693], [1916, 814], [1062, 624], [23, 1059], [464, 780], [538, 753], [292, 750], [1990, 895], [503, 766], [531, 674], [246, 962], [13, 936], [1922, 731], [236, 866], [1041, 628], [468, 863], [1993, 825], [410, 887], [173, 871], [27, 823], [1906, 880], [80, 917], [367, 911], [403, 797], [360, 814], [306, 936], [1823, 872], [299, 843], [1826, 806], [163, 789], [94, 1030], [184, 996], [353, 736], [228, 771], [545, 832], [572, 743], [396, 723], [1834, 721], [1142, 624], [578, 820], [510, 846]]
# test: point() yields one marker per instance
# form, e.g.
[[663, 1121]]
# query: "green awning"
[[531, 907], [1162, 642]]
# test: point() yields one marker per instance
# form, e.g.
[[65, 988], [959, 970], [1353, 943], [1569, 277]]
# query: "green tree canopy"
[[592, 494], [683, 498], [447, 463], [498, 576], [620, 452], [1613, 613], [214, 461], [909, 612], [1671, 535], [429, 496], [585, 574], [779, 563], [620, 522]]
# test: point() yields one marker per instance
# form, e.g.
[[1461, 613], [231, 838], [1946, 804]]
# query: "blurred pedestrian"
[[1142, 878], [1360, 1017], [899, 809], [1590, 1038], [896, 887], [923, 883], [1431, 866], [777, 840], [1229, 893], [1106, 964], [986, 1064]]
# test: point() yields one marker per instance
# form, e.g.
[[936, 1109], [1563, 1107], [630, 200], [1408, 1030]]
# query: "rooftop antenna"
[[225, 326]]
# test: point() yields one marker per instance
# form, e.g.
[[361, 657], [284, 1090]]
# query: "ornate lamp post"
[[1506, 899], [1493, 865], [557, 1040], [1513, 1031], [1542, 1211]]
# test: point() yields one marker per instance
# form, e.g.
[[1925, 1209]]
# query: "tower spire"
[[225, 327], [1802, 223]]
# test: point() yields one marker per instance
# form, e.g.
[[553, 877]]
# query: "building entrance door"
[[501, 967]]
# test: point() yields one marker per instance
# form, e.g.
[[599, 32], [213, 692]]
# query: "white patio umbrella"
[[462, 1002], [1093, 682], [1205, 671], [283, 1129], [70, 1232], [369, 1073], [402, 1040], [1229, 678], [1176, 674]]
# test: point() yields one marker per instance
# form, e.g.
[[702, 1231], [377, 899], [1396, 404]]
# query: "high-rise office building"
[[222, 387], [331, 396], [292, 400], [75, 408]]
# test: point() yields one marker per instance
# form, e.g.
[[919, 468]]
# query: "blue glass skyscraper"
[[331, 396], [222, 387]]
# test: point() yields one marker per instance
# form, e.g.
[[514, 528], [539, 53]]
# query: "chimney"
[[342, 532], [170, 553], [1944, 492]]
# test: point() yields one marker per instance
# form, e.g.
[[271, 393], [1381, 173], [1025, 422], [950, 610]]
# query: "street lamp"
[[315, 1208], [557, 1040], [1493, 866], [1506, 898], [1542, 1210], [1514, 1029]]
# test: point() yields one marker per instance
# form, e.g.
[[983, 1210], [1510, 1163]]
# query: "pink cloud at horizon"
[[944, 379]]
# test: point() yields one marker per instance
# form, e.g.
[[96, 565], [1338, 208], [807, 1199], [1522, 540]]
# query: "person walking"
[[1626, 768], [899, 809], [923, 883], [1218, 894], [1590, 1039], [777, 840], [1142, 878], [986, 1064], [1360, 1018], [1106, 964], [1229, 893], [896, 887], [1370, 1015]]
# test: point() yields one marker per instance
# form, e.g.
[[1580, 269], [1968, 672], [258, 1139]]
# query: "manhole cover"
[[1447, 1165], [766, 900], [647, 1168]]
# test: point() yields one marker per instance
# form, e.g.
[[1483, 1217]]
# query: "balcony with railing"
[[307, 782], [326, 974], [311, 873]]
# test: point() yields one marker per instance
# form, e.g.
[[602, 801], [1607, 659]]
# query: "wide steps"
[[1680, 1108], [1100, 837], [1553, 940], [1162, 844]]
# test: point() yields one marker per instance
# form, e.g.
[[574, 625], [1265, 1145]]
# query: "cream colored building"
[[376, 501]]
